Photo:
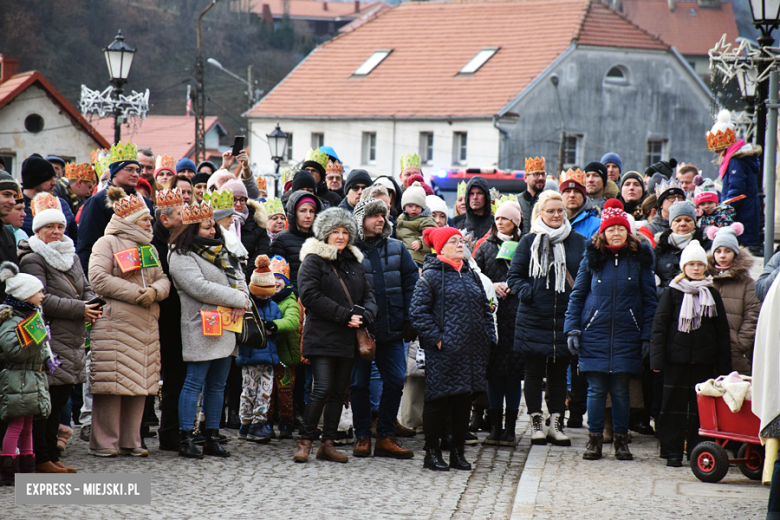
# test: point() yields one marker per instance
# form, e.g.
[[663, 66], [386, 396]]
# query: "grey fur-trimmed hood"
[[312, 246], [329, 220]]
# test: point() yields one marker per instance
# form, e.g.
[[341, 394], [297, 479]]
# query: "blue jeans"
[[307, 382], [599, 383], [375, 387], [210, 377], [500, 387], [391, 363]]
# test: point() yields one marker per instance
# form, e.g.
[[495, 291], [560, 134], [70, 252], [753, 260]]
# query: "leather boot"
[[213, 446], [9, 467], [477, 413], [608, 426], [538, 435], [49, 467], [495, 428], [509, 438], [458, 459], [27, 463], [362, 448], [555, 433], [187, 446], [59, 465], [389, 447], [434, 460], [593, 448], [403, 431], [304, 449], [328, 452], [621, 447]]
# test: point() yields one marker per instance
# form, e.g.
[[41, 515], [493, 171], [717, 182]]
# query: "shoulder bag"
[[252, 333], [366, 343]]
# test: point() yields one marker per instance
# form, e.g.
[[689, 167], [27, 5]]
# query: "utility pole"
[[200, 97]]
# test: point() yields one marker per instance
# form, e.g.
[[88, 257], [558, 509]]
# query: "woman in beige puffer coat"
[[125, 365]]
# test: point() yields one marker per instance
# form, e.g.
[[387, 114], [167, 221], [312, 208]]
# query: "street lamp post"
[[277, 142], [200, 95], [119, 58], [252, 94], [747, 80]]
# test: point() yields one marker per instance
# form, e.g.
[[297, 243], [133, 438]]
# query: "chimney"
[[671, 6], [324, 6], [267, 18], [8, 67], [357, 6]]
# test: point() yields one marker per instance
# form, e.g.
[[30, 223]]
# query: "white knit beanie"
[[46, 217], [437, 204], [414, 194], [19, 285], [693, 252]]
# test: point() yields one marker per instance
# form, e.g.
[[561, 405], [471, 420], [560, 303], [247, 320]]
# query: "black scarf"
[[24, 307]]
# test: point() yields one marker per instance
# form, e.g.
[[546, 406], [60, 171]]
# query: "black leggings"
[[45, 429], [536, 368], [435, 419], [332, 376]]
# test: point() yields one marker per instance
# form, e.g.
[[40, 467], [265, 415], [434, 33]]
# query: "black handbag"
[[252, 333]]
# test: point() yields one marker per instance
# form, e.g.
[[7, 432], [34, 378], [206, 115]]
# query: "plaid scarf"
[[214, 251]]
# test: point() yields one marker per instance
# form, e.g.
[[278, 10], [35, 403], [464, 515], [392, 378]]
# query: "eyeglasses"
[[537, 174], [455, 241], [311, 169], [675, 198], [357, 188], [552, 212], [332, 178], [239, 200], [132, 170]]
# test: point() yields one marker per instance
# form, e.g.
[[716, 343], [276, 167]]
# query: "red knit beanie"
[[613, 215], [437, 237]]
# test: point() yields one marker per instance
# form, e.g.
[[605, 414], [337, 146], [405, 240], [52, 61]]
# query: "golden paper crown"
[[219, 199], [721, 139], [196, 213], [165, 162], [500, 200], [667, 185], [534, 165], [280, 266], [262, 183], [462, 189], [334, 166], [573, 175], [287, 175], [80, 172], [129, 205], [100, 160], [123, 152], [410, 160], [167, 199], [19, 197], [44, 201], [317, 156], [273, 207]]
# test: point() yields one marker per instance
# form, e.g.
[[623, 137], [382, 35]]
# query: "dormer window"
[[477, 61], [372, 62]]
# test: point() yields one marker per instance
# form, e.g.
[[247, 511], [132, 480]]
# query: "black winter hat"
[[207, 163], [35, 171], [201, 178], [598, 168], [636, 177], [665, 168], [7, 182], [304, 179], [357, 177], [317, 166]]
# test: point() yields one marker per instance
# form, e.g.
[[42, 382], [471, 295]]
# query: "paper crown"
[[462, 189], [410, 160], [317, 156], [496, 202], [80, 172], [19, 197], [534, 165], [262, 183], [279, 266], [129, 205], [663, 186], [287, 175], [573, 176], [274, 207], [167, 199], [196, 213], [43, 202], [721, 139], [165, 162], [334, 166], [123, 152], [100, 160], [219, 199]]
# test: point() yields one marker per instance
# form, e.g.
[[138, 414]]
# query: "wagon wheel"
[[709, 462], [754, 468]]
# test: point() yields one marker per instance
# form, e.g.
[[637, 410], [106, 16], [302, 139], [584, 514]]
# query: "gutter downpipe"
[[503, 153]]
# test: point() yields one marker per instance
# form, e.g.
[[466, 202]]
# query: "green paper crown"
[[287, 175], [219, 199], [410, 160], [317, 156], [101, 159], [273, 207], [462, 189], [500, 200], [124, 152]]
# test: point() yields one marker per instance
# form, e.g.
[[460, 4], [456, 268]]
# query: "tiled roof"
[[20, 82], [314, 9], [172, 135], [691, 29], [431, 42]]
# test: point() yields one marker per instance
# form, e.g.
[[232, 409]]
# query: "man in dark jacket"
[[357, 181], [38, 176], [535, 183], [334, 172], [173, 369], [392, 274], [8, 190], [77, 185], [478, 219]]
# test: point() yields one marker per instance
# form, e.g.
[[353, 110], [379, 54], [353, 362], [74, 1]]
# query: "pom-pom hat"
[[414, 194], [725, 236], [723, 133], [19, 285], [262, 282], [438, 237], [613, 215]]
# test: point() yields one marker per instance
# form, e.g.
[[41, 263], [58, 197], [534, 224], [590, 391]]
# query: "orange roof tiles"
[[690, 29], [431, 42], [172, 135], [314, 9]]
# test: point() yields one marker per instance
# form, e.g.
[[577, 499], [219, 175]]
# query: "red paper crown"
[[573, 176], [44, 201], [129, 205], [334, 167], [167, 199], [721, 139], [262, 183], [534, 165], [80, 172], [196, 213]]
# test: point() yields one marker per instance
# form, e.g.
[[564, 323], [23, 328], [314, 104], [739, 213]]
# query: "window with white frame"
[[317, 140], [571, 150], [426, 147], [369, 147], [459, 147], [289, 156], [656, 149]]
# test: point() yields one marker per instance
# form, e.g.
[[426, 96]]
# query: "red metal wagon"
[[709, 460]]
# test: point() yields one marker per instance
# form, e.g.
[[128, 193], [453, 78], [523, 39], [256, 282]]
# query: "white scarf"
[[540, 252], [59, 255], [680, 241], [233, 244], [697, 303], [503, 237]]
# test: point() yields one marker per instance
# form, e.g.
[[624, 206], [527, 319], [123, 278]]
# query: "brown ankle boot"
[[49, 467], [59, 464], [304, 449], [328, 452], [362, 448], [389, 447]]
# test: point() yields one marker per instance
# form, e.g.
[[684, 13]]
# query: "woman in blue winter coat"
[[452, 317], [542, 274], [609, 323]]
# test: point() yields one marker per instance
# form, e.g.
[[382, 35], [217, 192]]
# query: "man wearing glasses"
[[357, 181], [38, 176], [535, 182]]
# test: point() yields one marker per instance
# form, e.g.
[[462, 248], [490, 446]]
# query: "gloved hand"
[[270, 327], [146, 297], [645, 348], [573, 342], [409, 334]]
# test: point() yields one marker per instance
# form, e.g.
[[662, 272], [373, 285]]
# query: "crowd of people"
[[383, 314]]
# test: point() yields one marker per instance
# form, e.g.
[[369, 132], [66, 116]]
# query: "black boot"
[[495, 427], [9, 467], [213, 446], [187, 447], [434, 460], [477, 413], [509, 438], [458, 459], [446, 442], [27, 463], [594, 446]]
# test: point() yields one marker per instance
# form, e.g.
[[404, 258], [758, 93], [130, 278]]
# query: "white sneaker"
[[537, 424], [555, 432]]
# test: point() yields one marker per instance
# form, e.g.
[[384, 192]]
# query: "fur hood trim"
[[738, 271], [6, 311], [261, 216], [312, 246], [596, 259], [752, 152], [611, 190], [332, 218]]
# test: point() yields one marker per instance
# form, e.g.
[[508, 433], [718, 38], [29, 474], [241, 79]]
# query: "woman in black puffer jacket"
[[302, 207], [505, 368], [542, 274], [682, 230], [452, 316]]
